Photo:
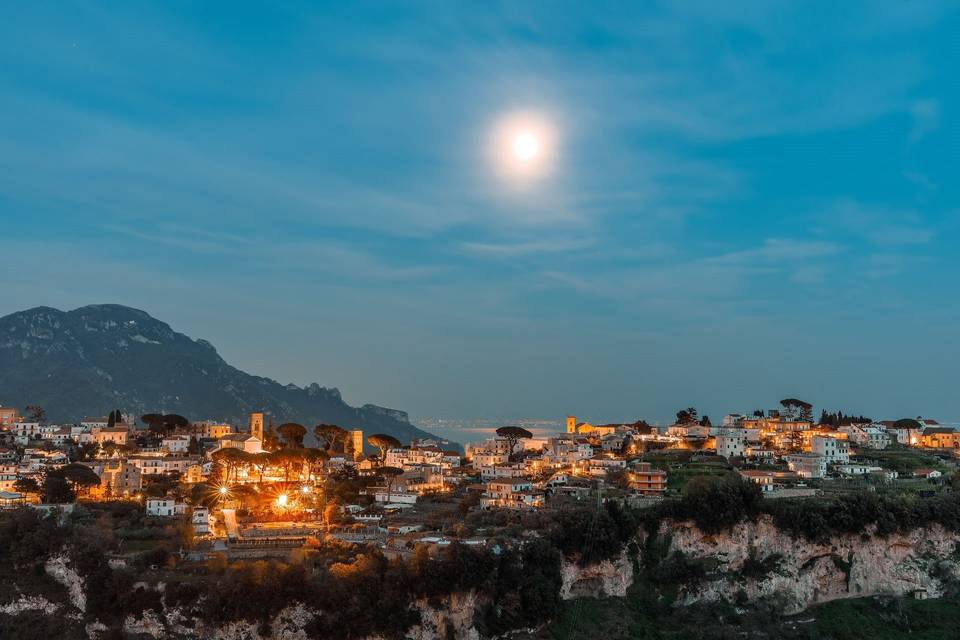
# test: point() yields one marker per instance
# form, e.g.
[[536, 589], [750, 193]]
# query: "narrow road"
[[230, 522]]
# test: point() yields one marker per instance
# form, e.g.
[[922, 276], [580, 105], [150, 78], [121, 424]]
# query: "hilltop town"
[[257, 489]]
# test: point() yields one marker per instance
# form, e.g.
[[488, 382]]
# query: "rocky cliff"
[[98, 358], [754, 562], [800, 573]]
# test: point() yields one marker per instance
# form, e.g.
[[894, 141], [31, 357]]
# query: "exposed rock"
[[29, 603], [610, 578], [808, 573], [58, 568], [454, 619], [149, 624]]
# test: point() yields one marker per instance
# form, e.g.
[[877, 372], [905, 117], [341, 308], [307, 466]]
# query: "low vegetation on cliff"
[[122, 560]]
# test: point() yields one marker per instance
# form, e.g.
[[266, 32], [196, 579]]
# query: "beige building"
[[256, 425], [102, 435], [356, 443], [245, 441], [120, 478], [587, 429], [214, 430], [8, 416]]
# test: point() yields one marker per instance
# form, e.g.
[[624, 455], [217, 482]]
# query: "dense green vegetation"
[[637, 617]]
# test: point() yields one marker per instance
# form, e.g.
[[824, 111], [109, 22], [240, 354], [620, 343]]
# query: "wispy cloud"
[[926, 118], [515, 249]]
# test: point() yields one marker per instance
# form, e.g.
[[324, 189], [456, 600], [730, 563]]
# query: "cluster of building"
[[513, 470], [520, 473]]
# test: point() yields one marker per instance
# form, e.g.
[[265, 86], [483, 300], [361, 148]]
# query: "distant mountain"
[[94, 359]]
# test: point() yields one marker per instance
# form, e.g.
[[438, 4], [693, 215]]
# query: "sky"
[[746, 201]]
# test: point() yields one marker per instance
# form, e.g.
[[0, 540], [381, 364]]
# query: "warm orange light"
[[282, 500]]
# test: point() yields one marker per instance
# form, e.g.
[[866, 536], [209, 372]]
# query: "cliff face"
[[803, 573], [755, 561], [751, 563], [607, 579]]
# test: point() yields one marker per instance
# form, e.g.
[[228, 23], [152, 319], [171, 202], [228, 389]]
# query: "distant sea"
[[479, 429], [464, 430]]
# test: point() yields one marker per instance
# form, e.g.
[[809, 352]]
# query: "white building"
[[871, 436], [201, 520], [407, 459], [807, 465], [90, 423], [176, 444], [165, 507], [834, 450], [733, 420], [511, 470], [161, 465], [510, 495], [245, 441], [602, 466], [732, 443]]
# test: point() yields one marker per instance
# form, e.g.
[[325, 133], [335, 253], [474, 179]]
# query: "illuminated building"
[[256, 425], [356, 443]]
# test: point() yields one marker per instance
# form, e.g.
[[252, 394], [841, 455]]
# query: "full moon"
[[525, 146], [522, 147]]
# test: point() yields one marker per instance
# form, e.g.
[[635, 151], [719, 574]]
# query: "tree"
[[705, 421], [260, 461], [513, 435], [35, 413], [907, 423], [382, 442], [150, 419], [718, 502], [331, 435], [175, 421], [229, 458], [315, 458], [292, 434], [161, 425], [270, 437], [798, 409], [287, 459], [390, 475], [687, 416], [80, 476], [114, 418], [26, 485], [56, 489]]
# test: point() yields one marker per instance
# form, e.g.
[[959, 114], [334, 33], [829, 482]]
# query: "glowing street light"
[[282, 500]]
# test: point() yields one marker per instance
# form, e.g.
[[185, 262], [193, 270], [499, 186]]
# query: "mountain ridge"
[[95, 358]]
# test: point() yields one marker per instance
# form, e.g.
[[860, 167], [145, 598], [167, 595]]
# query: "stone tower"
[[256, 425]]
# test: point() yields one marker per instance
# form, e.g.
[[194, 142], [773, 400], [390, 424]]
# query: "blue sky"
[[748, 201]]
